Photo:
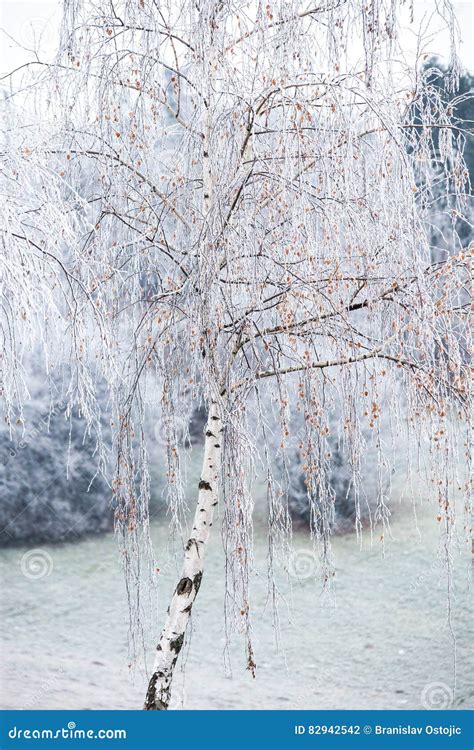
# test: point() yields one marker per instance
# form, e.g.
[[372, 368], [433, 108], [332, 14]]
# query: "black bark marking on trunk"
[[184, 586], [190, 543], [151, 701], [188, 608], [215, 419], [150, 694], [209, 434], [177, 644], [216, 445], [197, 581], [204, 485]]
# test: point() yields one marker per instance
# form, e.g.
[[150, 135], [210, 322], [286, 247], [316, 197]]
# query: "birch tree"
[[222, 205]]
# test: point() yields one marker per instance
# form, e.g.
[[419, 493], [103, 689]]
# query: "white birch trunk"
[[179, 611]]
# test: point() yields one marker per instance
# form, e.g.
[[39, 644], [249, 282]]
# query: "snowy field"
[[381, 642]]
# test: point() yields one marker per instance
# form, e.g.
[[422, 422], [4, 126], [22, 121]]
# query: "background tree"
[[50, 485], [282, 226], [441, 217]]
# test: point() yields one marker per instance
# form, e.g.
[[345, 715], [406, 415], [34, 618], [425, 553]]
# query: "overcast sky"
[[28, 21]]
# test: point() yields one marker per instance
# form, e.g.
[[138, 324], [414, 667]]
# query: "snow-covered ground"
[[381, 643]]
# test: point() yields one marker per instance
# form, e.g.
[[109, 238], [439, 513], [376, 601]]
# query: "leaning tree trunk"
[[179, 612]]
